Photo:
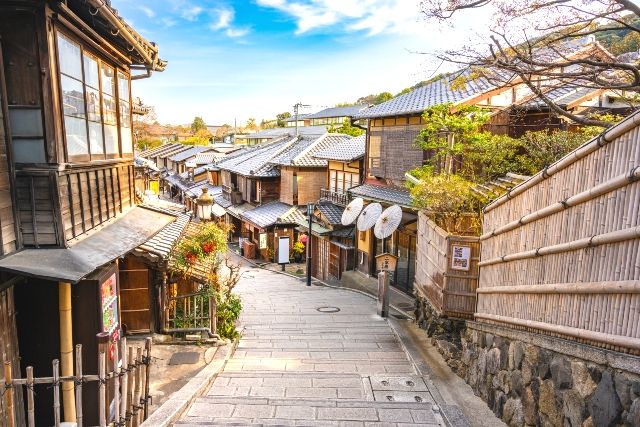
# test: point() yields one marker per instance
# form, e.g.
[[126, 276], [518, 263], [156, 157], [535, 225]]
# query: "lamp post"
[[204, 202], [310, 209]]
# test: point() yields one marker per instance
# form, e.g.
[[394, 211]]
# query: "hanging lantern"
[[205, 203]]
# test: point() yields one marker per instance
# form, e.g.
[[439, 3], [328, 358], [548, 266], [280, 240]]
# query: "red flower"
[[208, 247], [191, 257]]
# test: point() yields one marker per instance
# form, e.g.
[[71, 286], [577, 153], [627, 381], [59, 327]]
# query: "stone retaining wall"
[[534, 380]]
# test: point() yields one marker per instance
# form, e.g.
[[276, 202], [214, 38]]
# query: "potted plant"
[[298, 251]]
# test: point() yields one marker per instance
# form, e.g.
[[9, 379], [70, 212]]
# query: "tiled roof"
[[302, 153], [219, 200], [269, 214], [208, 157], [346, 232], [561, 96], [290, 131], [155, 152], [255, 161], [382, 194], [300, 117], [142, 162], [197, 171], [178, 148], [162, 243], [332, 212], [435, 93], [349, 111], [186, 154], [345, 151], [238, 210], [196, 190]]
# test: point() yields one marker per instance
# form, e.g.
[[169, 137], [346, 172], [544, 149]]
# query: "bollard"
[[383, 294]]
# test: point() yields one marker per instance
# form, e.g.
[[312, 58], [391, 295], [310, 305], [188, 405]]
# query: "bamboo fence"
[[127, 385], [452, 292], [561, 252]]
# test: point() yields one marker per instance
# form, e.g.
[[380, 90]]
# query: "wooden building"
[[67, 190]]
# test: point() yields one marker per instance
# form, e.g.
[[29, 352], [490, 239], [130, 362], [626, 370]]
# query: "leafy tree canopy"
[[198, 124], [346, 128]]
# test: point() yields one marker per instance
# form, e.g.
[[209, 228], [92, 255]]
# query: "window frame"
[[86, 50]]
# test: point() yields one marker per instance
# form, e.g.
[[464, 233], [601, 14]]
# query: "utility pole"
[[296, 109]]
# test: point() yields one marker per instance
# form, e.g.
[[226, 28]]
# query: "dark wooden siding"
[[9, 349], [397, 152], [91, 196], [34, 200]]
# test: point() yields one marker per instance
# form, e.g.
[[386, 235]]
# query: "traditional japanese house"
[[334, 116], [68, 209], [268, 135], [178, 162]]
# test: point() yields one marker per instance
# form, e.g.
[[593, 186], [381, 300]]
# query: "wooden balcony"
[[340, 198], [232, 194]]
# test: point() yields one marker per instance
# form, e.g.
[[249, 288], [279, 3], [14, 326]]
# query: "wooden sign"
[[461, 258], [386, 262], [263, 240]]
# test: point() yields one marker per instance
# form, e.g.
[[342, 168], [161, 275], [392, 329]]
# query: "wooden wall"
[[9, 349], [8, 236], [310, 182], [450, 291], [560, 254]]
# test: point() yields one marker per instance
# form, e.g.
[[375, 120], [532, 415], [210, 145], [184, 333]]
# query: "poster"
[[283, 250], [263, 240], [461, 258], [109, 303]]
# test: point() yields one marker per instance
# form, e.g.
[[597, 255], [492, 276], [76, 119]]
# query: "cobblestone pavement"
[[313, 356]]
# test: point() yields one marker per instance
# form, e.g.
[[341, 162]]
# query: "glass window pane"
[[109, 109], [91, 73], [69, 57], [93, 105], [72, 97], [95, 138], [123, 87], [108, 80], [76, 136], [125, 114], [127, 141], [111, 139]]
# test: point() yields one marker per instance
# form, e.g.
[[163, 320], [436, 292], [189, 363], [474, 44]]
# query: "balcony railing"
[[340, 198]]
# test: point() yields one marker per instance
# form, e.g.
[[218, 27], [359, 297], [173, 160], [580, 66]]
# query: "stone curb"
[[171, 410], [404, 313]]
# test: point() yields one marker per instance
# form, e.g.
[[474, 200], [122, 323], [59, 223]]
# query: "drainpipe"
[[66, 350]]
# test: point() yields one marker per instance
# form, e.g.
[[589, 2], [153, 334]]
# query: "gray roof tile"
[[269, 214], [162, 243], [302, 153], [382, 194], [345, 151], [349, 111], [186, 154], [332, 212]]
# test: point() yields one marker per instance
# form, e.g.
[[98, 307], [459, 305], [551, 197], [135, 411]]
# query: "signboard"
[[461, 258], [154, 186], [386, 262], [109, 304], [263, 240], [283, 250]]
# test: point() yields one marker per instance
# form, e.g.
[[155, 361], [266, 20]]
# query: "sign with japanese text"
[[461, 258], [386, 262], [109, 304], [263, 240]]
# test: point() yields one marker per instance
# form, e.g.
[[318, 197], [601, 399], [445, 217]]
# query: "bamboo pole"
[[102, 392], [116, 384], [147, 384], [136, 393], [78, 384], [8, 394], [66, 350], [607, 287], [124, 403], [129, 390], [56, 392], [30, 404]]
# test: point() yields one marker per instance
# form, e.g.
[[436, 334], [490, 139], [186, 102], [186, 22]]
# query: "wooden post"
[[66, 350], [56, 392], [124, 400], [116, 386], [129, 390], [102, 392], [147, 368], [79, 385], [213, 315], [8, 392], [30, 405], [136, 393]]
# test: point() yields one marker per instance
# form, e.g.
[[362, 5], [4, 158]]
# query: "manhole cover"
[[328, 309], [184, 358]]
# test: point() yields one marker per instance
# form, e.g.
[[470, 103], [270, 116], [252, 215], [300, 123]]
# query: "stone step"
[[314, 402]]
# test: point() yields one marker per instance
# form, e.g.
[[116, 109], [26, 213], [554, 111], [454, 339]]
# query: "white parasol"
[[352, 211], [388, 222], [369, 216]]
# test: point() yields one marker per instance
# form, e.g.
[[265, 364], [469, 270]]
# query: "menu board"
[[109, 304], [461, 257]]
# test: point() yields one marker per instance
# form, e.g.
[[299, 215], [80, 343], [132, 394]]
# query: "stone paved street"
[[303, 362]]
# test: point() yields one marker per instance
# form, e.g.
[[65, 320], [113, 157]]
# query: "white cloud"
[[371, 16], [147, 11], [191, 13], [169, 22], [223, 21]]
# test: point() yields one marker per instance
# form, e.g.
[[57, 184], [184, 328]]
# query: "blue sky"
[[255, 58]]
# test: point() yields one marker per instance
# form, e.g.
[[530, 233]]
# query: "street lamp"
[[310, 208], [204, 202]]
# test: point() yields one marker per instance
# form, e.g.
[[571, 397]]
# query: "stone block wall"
[[535, 380]]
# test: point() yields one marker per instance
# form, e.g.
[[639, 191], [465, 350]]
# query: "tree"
[[198, 124], [533, 43], [252, 125], [346, 128], [281, 119], [222, 131], [201, 137], [375, 98]]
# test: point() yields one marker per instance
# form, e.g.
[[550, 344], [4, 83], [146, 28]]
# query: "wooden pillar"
[[66, 350]]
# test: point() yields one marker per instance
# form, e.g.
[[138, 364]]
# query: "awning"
[[218, 210], [316, 229], [97, 249]]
